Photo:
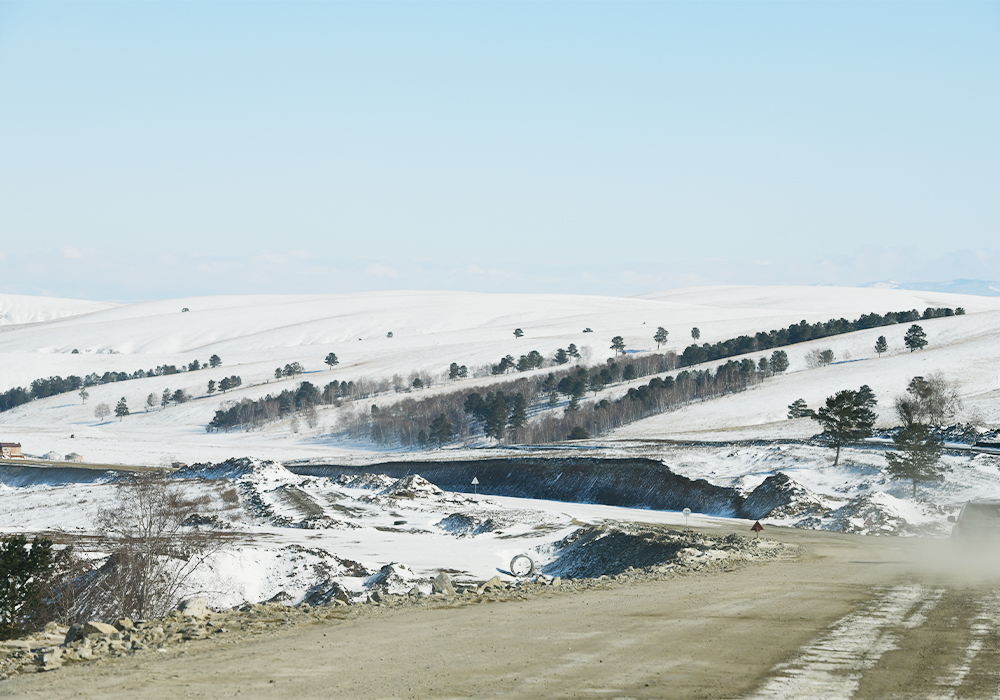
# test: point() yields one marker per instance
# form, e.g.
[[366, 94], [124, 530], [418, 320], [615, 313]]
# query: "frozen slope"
[[17, 309]]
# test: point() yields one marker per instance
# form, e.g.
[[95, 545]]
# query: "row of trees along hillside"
[[403, 422], [42, 388], [804, 331], [249, 414], [549, 408]]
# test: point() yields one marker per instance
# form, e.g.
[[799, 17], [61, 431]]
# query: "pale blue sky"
[[153, 150]]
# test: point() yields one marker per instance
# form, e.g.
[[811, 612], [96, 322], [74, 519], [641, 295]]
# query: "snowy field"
[[738, 440]]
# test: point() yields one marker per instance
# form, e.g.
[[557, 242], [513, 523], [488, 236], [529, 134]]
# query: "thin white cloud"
[[382, 271]]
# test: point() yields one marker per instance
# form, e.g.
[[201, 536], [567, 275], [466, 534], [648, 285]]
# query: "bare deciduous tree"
[[153, 548], [932, 399], [102, 411]]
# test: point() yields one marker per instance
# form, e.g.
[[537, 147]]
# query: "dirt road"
[[854, 617]]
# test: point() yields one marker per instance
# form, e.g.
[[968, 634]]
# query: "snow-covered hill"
[[430, 330]]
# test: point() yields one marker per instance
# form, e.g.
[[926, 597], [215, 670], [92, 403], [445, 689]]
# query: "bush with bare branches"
[[153, 551]]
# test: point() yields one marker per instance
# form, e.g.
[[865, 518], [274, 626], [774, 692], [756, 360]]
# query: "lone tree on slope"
[[917, 456], [660, 336], [915, 338], [121, 409], [332, 360], [618, 345], [518, 332], [847, 416], [84, 395], [695, 333], [214, 361], [799, 409], [881, 345], [102, 411]]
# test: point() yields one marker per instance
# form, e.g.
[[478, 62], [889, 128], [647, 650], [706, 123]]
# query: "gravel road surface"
[[852, 617]]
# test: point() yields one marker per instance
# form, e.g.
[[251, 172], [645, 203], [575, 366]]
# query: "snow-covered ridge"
[[16, 309]]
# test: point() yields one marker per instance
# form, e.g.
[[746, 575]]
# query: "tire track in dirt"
[[910, 642], [927, 656], [834, 664]]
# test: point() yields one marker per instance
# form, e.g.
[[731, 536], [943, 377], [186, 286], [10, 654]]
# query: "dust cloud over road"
[[852, 617]]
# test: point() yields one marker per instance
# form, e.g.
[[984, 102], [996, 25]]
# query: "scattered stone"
[[193, 607], [98, 629], [124, 624], [49, 658], [494, 584], [557, 581]]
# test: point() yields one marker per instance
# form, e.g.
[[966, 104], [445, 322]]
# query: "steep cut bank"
[[18, 476], [631, 483]]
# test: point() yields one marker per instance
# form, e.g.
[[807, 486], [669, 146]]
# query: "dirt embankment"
[[634, 483]]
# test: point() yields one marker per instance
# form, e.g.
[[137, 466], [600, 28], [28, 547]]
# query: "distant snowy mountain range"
[[977, 287]]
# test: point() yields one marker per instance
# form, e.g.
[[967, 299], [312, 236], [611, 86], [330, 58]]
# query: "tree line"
[[248, 414], [802, 332], [50, 386], [503, 413]]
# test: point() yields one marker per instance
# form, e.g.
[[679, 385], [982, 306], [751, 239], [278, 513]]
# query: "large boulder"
[[193, 607], [74, 633], [442, 584], [98, 629]]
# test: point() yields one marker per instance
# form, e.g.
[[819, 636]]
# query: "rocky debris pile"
[[881, 514], [465, 524], [375, 482], [412, 486], [213, 521], [778, 496], [89, 641], [608, 550], [325, 522], [392, 578]]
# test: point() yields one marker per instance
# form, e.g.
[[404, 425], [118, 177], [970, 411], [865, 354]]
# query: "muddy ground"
[[851, 617]]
